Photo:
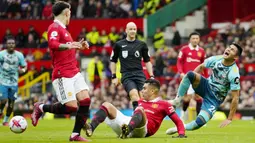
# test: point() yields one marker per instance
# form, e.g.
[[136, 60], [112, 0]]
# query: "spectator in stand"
[[31, 42], [20, 38], [3, 8], [104, 39], [177, 37], [36, 10], [43, 43], [38, 54], [210, 43], [93, 36], [80, 11], [82, 34], [14, 10], [34, 33], [90, 9], [113, 35], [122, 33], [125, 6], [47, 10], [95, 71], [99, 10], [242, 70], [7, 35], [251, 71], [140, 11], [159, 65], [46, 55], [30, 57], [158, 39]]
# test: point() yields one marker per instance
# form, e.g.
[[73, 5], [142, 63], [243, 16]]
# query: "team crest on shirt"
[[199, 54], [154, 105], [124, 54], [69, 94], [237, 80]]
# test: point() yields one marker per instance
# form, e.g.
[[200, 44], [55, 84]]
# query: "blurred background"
[[163, 24]]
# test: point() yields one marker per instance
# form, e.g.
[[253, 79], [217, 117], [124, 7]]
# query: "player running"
[[69, 84], [189, 58], [146, 119], [225, 77], [12, 64]]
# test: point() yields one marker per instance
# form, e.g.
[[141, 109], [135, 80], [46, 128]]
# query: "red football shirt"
[[156, 110], [189, 58], [64, 62]]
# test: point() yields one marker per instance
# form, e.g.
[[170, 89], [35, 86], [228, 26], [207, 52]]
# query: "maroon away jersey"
[[189, 58], [64, 62], [156, 111]]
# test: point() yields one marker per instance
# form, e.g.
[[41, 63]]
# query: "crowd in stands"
[[42, 9]]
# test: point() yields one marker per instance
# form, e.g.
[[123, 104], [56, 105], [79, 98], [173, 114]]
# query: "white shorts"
[[67, 88], [121, 119], [190, 90]]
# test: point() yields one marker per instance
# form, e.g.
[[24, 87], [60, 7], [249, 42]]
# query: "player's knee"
[[200, 121], [139, 108], [71, 107], [107, 105], [191, 76], [85, 102]]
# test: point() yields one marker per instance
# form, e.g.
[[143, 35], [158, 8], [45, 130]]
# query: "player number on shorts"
[[212, 109]]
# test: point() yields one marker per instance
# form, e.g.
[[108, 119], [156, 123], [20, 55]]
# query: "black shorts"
[[133, 80]]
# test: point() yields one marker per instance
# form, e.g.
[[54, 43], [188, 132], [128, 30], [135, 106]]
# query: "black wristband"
[[152, 76], [113, 76]]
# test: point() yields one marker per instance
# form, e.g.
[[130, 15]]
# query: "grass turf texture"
[[59, 130]]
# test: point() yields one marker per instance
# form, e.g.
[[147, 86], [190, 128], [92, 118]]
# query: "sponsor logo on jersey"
[[124, 46], [190, 54], [124, 54], [189, 59]]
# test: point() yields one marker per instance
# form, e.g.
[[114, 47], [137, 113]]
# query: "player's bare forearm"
[[199, 69], [234, 103], [22, 70], [149, 68], [63, 47], [113, 67]]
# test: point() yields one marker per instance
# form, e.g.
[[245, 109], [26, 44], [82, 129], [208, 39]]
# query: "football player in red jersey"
[[69, 84], [189, 58], [146, 119]]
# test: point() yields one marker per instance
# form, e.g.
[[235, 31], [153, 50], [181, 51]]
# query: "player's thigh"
[[116, 123], [65, 90], [208, 108], [129, 85], [139, 79], [3, 92], [12, 92], [202, 87], [81, 88]]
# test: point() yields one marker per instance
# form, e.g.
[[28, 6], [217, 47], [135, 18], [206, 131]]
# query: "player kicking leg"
[[209, 106]]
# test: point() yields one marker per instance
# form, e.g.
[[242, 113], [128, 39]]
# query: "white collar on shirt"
[[192, 48], [154, 100], [60, 23]]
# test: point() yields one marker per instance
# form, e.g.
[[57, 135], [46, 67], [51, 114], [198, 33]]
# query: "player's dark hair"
[[239, 48], [153, 82], [194, 33], [59, 6], [10, 38]]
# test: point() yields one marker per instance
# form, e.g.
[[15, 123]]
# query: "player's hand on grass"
[[85, 44], [225, 123], [179, 136]]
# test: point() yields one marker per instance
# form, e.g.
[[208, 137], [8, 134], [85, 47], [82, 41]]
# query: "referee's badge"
[[124, 54], [137, 54]]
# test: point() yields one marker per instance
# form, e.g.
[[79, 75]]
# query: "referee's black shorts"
[[133, 80]]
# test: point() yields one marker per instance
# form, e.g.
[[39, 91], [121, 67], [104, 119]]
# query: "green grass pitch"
[[59, 130]]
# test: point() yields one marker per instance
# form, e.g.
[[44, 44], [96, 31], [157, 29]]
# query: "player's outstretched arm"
[[115, 80], [179, 124], [233, 107], [149, 69]]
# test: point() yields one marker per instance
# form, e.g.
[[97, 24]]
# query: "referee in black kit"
[[130, 52]]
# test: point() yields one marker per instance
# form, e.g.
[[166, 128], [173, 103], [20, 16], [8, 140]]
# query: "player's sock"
[[81, 115], [198, 106], [6, 118], [74, 134], [58, 108], [185, 105], [185, 83], [10, 107], [99, 117], [135, 104], [135, 120], [191, 126]]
